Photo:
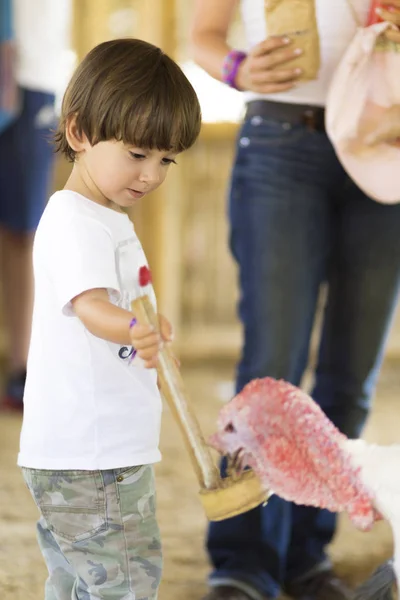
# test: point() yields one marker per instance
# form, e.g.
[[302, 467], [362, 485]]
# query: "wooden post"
[[158, 217]]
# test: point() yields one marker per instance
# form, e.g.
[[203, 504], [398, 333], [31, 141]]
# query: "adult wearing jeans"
[[40, 37], [297, 221]]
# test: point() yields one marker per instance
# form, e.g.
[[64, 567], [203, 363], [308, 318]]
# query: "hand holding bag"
[[296, 19], [363, 113]]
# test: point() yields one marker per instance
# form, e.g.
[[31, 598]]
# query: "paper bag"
[[296, 19]]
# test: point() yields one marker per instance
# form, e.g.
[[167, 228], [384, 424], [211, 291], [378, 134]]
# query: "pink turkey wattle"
[[283, 435]]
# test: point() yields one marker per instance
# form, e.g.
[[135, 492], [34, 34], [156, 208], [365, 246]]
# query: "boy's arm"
[[109, 322], [102, 318], [82, 270]]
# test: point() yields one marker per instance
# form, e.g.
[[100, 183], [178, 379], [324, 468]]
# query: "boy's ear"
[[76, 140]]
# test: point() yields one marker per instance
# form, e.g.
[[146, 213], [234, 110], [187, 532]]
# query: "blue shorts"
[[26, 162]]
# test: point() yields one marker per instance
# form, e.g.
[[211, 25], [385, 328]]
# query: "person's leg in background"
[[281, 215], [364, 284], [26, 162]]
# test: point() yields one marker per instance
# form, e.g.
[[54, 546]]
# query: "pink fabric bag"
[[363, 113]]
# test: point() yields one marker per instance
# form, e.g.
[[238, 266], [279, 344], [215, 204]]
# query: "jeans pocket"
[[72, 503], [125, 472]]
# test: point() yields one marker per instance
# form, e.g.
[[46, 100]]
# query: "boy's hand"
[[148, 342]]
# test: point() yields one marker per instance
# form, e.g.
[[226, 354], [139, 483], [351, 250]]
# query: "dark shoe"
[[14, 393], [226, 592], [321, 586]]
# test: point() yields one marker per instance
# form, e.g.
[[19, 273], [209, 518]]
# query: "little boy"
[[92, 407]]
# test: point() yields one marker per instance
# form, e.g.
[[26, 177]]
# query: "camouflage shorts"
[[98, 533]]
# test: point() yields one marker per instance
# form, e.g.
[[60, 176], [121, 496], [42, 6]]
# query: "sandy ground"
[[22, 571]]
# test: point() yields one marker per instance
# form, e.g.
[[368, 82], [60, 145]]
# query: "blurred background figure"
[[8, 88], [35, 62]]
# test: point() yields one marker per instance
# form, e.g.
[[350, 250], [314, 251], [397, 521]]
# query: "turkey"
[[281, 433]]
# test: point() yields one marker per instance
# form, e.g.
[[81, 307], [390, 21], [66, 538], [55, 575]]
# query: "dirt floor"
[[22, 571]]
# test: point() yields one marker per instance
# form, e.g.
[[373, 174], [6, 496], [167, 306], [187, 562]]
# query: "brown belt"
[[312, 117]]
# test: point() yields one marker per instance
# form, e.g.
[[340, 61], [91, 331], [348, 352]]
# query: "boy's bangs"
[[129, 90], [169, 124]]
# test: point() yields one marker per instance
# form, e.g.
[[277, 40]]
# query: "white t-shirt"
[[337, 27], [86, 406], [43, 42]]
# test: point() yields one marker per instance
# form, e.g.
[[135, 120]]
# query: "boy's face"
[[122, 174]]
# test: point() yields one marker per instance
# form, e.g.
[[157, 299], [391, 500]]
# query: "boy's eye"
[[168, 161], [137, 155]]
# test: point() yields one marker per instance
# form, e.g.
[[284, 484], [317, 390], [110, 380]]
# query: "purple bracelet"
[[230, 66], [134, 352]]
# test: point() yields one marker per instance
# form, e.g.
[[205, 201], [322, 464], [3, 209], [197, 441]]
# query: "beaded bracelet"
[[230, 67]]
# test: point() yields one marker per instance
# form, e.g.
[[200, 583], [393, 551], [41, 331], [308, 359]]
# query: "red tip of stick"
[[144, 276]]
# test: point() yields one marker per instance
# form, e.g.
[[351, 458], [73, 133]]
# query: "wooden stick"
[[173, 390]]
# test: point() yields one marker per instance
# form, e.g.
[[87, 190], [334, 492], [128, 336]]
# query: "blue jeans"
[[26, 162], [297, 221]]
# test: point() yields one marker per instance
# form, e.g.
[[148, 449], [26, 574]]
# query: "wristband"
[[230, 66]]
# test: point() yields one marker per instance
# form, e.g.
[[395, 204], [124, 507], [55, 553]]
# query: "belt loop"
[[310, 119]]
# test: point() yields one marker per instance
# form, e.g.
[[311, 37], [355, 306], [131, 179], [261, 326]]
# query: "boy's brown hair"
[[129, 90]]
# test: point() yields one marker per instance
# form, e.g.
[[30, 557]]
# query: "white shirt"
[[43, 40], [85, 405], [337, 27]]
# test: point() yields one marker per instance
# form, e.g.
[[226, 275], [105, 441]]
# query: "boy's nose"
[[150, 176]]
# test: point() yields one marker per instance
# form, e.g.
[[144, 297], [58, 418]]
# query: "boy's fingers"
[[139, 331], [148, 353], [150, 341], [151, 363]]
